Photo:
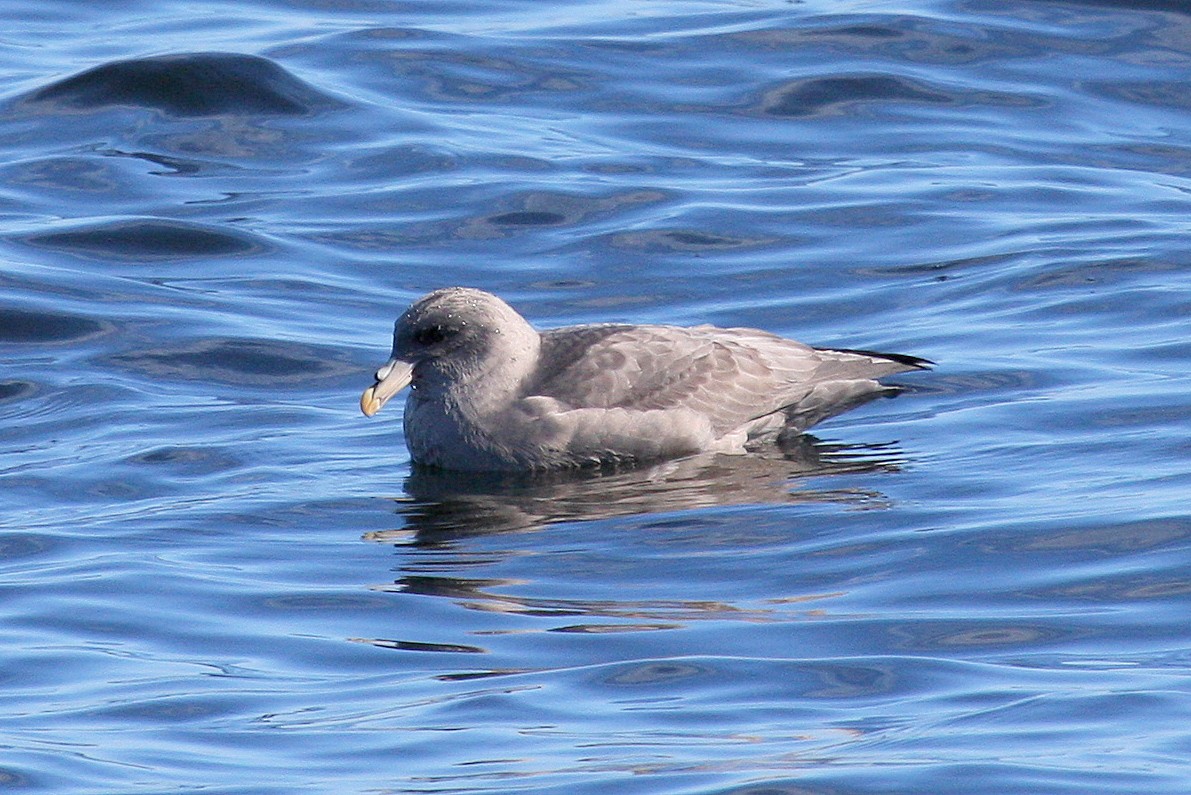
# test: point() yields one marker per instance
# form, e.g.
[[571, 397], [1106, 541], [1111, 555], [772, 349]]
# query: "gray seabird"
[[491, 393]]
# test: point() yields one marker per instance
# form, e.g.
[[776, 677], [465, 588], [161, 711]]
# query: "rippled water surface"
[[217, 576]]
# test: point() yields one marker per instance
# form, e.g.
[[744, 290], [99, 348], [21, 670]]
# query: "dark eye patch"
[[431, 335]]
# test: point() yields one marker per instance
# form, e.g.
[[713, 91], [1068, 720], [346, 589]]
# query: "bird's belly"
[[539, 433]]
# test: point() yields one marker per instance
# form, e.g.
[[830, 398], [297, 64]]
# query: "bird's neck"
[[488, 385]]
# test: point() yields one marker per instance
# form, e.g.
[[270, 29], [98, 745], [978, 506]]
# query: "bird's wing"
[[730, 376]]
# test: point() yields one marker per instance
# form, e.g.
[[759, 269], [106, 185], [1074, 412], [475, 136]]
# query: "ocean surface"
[[216, 576]]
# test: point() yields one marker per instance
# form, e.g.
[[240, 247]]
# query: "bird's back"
[[732, 376]]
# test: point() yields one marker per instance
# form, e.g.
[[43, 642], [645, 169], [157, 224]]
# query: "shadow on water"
[[139, 239], [444, 506], [187, 112], [187, 85]]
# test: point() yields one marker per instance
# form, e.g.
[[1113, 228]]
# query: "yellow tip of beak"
[[390, 379], [369, 402]]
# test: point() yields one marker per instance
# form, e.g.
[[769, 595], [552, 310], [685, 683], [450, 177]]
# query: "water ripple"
[[216, 571]]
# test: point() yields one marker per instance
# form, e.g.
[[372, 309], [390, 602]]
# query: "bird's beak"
[[390, 380]]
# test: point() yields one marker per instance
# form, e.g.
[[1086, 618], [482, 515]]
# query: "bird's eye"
[[430, 335]]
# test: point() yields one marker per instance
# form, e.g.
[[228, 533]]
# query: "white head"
[[453, 337]]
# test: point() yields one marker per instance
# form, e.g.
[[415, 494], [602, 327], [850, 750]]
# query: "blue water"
[[218, 577]]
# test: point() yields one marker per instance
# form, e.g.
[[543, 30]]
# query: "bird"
[[490, 393]]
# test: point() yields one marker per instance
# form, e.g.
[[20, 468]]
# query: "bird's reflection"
[[442, 506]]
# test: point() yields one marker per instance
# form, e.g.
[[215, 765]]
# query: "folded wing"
[[731, 376]]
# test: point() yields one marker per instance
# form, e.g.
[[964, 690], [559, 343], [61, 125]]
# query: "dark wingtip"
[[915, 362]]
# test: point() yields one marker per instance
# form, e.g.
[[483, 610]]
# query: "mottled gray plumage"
[[491, 393]]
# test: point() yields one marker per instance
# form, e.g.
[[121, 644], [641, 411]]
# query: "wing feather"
[[730, 376]]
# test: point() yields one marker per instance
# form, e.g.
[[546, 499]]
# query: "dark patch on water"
[[935, 269], [189, 84], [10, 779], [466, 676], [452, 587], [1121, 587], [852, 681], [176, 166], [25, 326], [186, 460], [684, 240], [655, 673], [1155, 93], [328, 601], [16, 390], [153, 238], [82, 174], [1113, 539], [700, 239], [166, 710], [778, 788], [259, 363], [549, 209], [865, 32], [608, 629], [14, 546], [1100, 272], [824, 94], [932, 637], [398, 161], [417, 645], [468, 76], [985, 381], [905, 36], [528, 218], [1178, 6]]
